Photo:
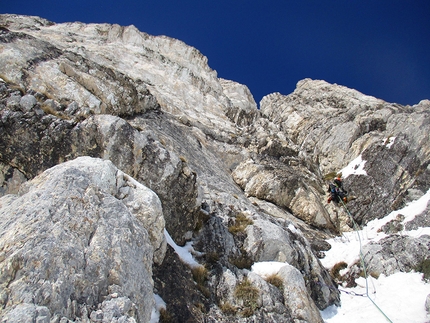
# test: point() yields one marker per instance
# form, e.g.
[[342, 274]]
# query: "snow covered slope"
[[400, 296]]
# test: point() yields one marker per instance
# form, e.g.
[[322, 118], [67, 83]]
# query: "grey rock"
[[79, 240], [3, 88], [243, 110], [295, 295], [267, 241], [52, 105], [333, 125], [216, 231], [266, 304], [13, 102], [394, 226], [27, 312], [396, 254], [50, 139], [283, 185], [39, 111], [142, 156], [27, 102], [10, 179], [115, 310], [72, 108]]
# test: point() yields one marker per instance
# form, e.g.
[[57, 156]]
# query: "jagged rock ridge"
[[178, 148]]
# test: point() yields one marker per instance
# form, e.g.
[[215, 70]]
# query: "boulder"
[[396, 253], [70, 238], [283, 242]]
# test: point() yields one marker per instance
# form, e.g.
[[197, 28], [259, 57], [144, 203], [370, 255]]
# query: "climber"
[[337, 191]]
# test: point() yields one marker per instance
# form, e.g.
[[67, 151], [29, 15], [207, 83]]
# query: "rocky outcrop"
[[163, 65], [284, 185], [396, 254], [331, 125], [72, 240], [34, 140], [240, 185], [243, 110]]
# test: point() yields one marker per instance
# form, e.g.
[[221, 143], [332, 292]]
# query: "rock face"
[[330, 126], [295, 294], [110, 135]]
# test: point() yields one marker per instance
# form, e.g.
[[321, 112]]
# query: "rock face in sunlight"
[[110, 135], [331, 125]]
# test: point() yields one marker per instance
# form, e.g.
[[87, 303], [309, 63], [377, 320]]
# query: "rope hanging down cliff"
[[356, 228]]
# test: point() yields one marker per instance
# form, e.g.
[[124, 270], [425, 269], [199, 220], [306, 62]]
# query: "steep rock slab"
[[378, 194], [320, 118], [40, 65], [32, 140], [70, 239], [243, 111]]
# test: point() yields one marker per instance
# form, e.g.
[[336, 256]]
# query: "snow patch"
[[265, 269], [401, 297], [346, 248], [418, 232], [410, 211], [184, 253], [356, 167], [159, 304], [293, 229]]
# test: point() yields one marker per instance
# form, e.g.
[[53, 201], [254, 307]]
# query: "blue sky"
[[379, 47]]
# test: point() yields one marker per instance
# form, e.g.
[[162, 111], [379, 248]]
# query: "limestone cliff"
[[110, 135]]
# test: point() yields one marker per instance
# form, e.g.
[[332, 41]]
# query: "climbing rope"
[[356, 228]]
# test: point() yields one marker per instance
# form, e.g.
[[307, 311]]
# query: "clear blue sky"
[[379, 47]]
